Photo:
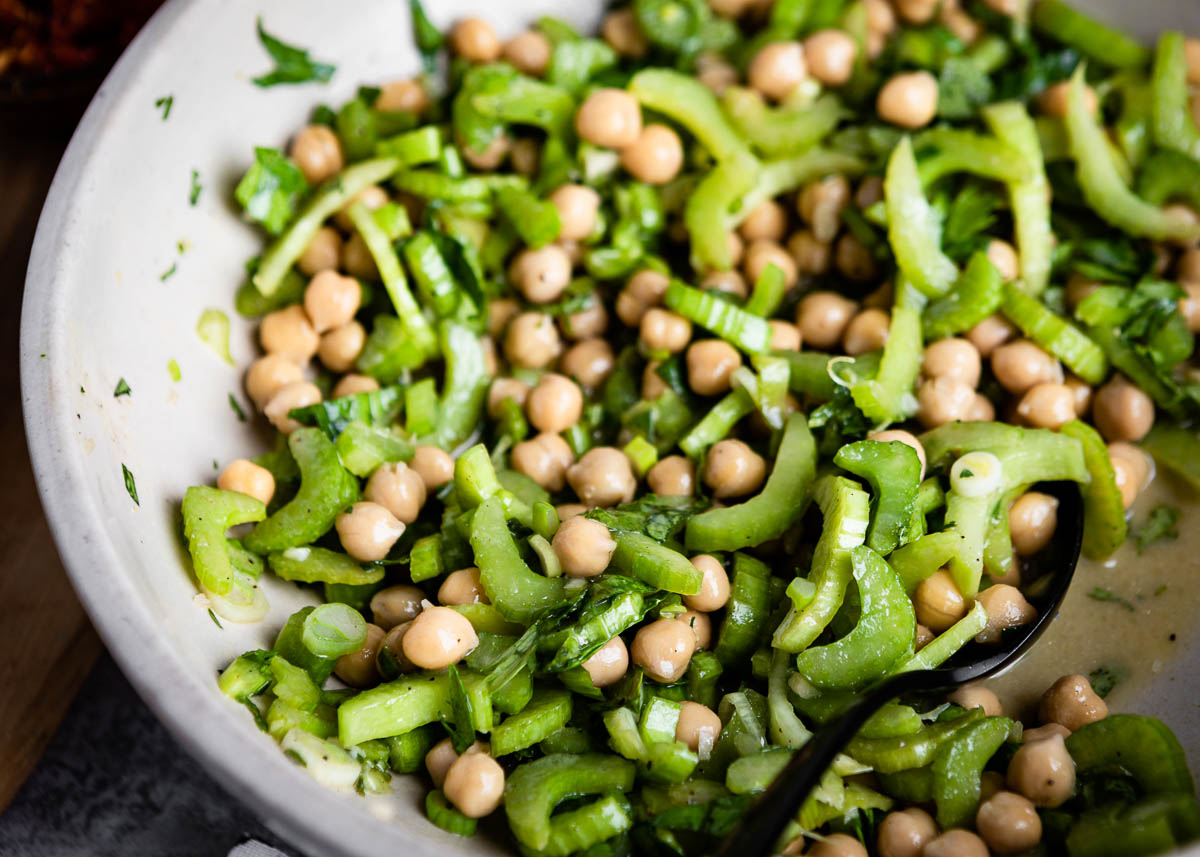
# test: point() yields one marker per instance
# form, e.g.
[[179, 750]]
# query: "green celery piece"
[[330, 197], [464, 388], [535, 220], [400, 706], [977, 294], [939, 650], [1055, 334], [893, 470], [785, 728], [1102, 186], [917, 560], [1010, 121], [1144, 746], [914, 231], [1068, 25], [781, 131], [747, 611], [441, 814], [362, 447], [891, 755], [546, 713], [640, 556], [584, 638], [753, 773], [970, 517], [485, 617], [535, 788], [888, 396], [576, 831], [1166, 176], [846, 509], [207, 514], [320, 565], [1176, 448], [412, 148], [1174, 127], [958, 767], [1152, 825], [326, 488], [683, 98], [515, 590], [773, 510], [1104, 525], [968, 151], [735, 325], [435, 282], [707, 211], [294, 685], [883, 635]]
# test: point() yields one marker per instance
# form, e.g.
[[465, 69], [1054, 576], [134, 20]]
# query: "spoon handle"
[[766, 818]]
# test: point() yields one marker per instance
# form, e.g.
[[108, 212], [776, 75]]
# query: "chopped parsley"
[[1159, 526], [182, 246], [237, 409], [130, 484], [1104, 679], [271, 189], [164, 104], [1099, 593], [1162, 587], [292, 64], [428, 37], [194, 192], [167, 274], [81, 390], [217, 622], [967, 473], [173, 370], [122, 388]]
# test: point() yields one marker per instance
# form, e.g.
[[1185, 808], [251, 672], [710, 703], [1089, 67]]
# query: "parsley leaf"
[[216, 621], [429, 38], [130, 484], [167, 274], [271, 189], [237, 408], [461, 724], [165, 104], [1099, 593], [962, 88], [292, 64], [122, 388], [1159, 526], [972, 213], [332, 416], [1104, 679], [196, 187], [660, 518]]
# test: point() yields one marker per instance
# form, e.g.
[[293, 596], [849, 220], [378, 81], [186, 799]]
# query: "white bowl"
[[96, 310]]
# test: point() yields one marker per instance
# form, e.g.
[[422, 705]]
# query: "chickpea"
[[710, 366], [1043, 771], [587, 323], [1004, 256], [729, 8], [904, 833], [653, 384], [402, 96], [288, 333], [655, 157], [785, 336], [1189, 305], [729, 282], [489, 157], [396, 605], [1187, 269], [881, 18], [981, 410], [767, 221], [810, 255], [390, 661], [901, 436], [1048, 730], [990, 783], [1055, 100], [953, 358], [777, 69], [353, 384], [854, 260], [525, 156], [567, 511], [506, 388], [990, 334], [1021, 365], [939, 603], [322, 252], [698, 724], [577, 207], [299, 394], [544, 459], [714, 585], [975, 696], [462, 587], [870, 191], [762, 253], [317, 153], [1078, 288], [1047, 406], [648, 287], [1032, 520], [1184, 215], [1122, 412], [663, 649], [838, 845], [602, 477], [608, 664], [357, 259], [439, 759], [1191, 50], [1009, 823], [700, 624], [820, 205], [589, 362], [867, 331], [956, 843], [922, 637], [555, 404], [1072, 702], [528, 52], [474, 39], [715, 72], [610, 118], [944, 400], [246, 477], [620, 29], [909, 100], [475, 784], [532, 340], [357, 669], [1131, 467], [1011, 8], [1082, 392], [500, 312], [340, 347], [433, 465], [736, 247], [439, 637], [584, 547], [822, 318], [543, 274], [830, 55], [732, 469], [663, 330], [367, 531], [673, 476], [397, 488]]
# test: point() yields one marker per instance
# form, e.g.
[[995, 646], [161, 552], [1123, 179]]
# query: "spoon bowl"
[[1050, 572]]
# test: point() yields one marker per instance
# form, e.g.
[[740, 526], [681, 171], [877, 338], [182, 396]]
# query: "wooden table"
[[47, 645]]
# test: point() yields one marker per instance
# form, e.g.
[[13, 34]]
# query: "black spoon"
[[1052, 569]]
